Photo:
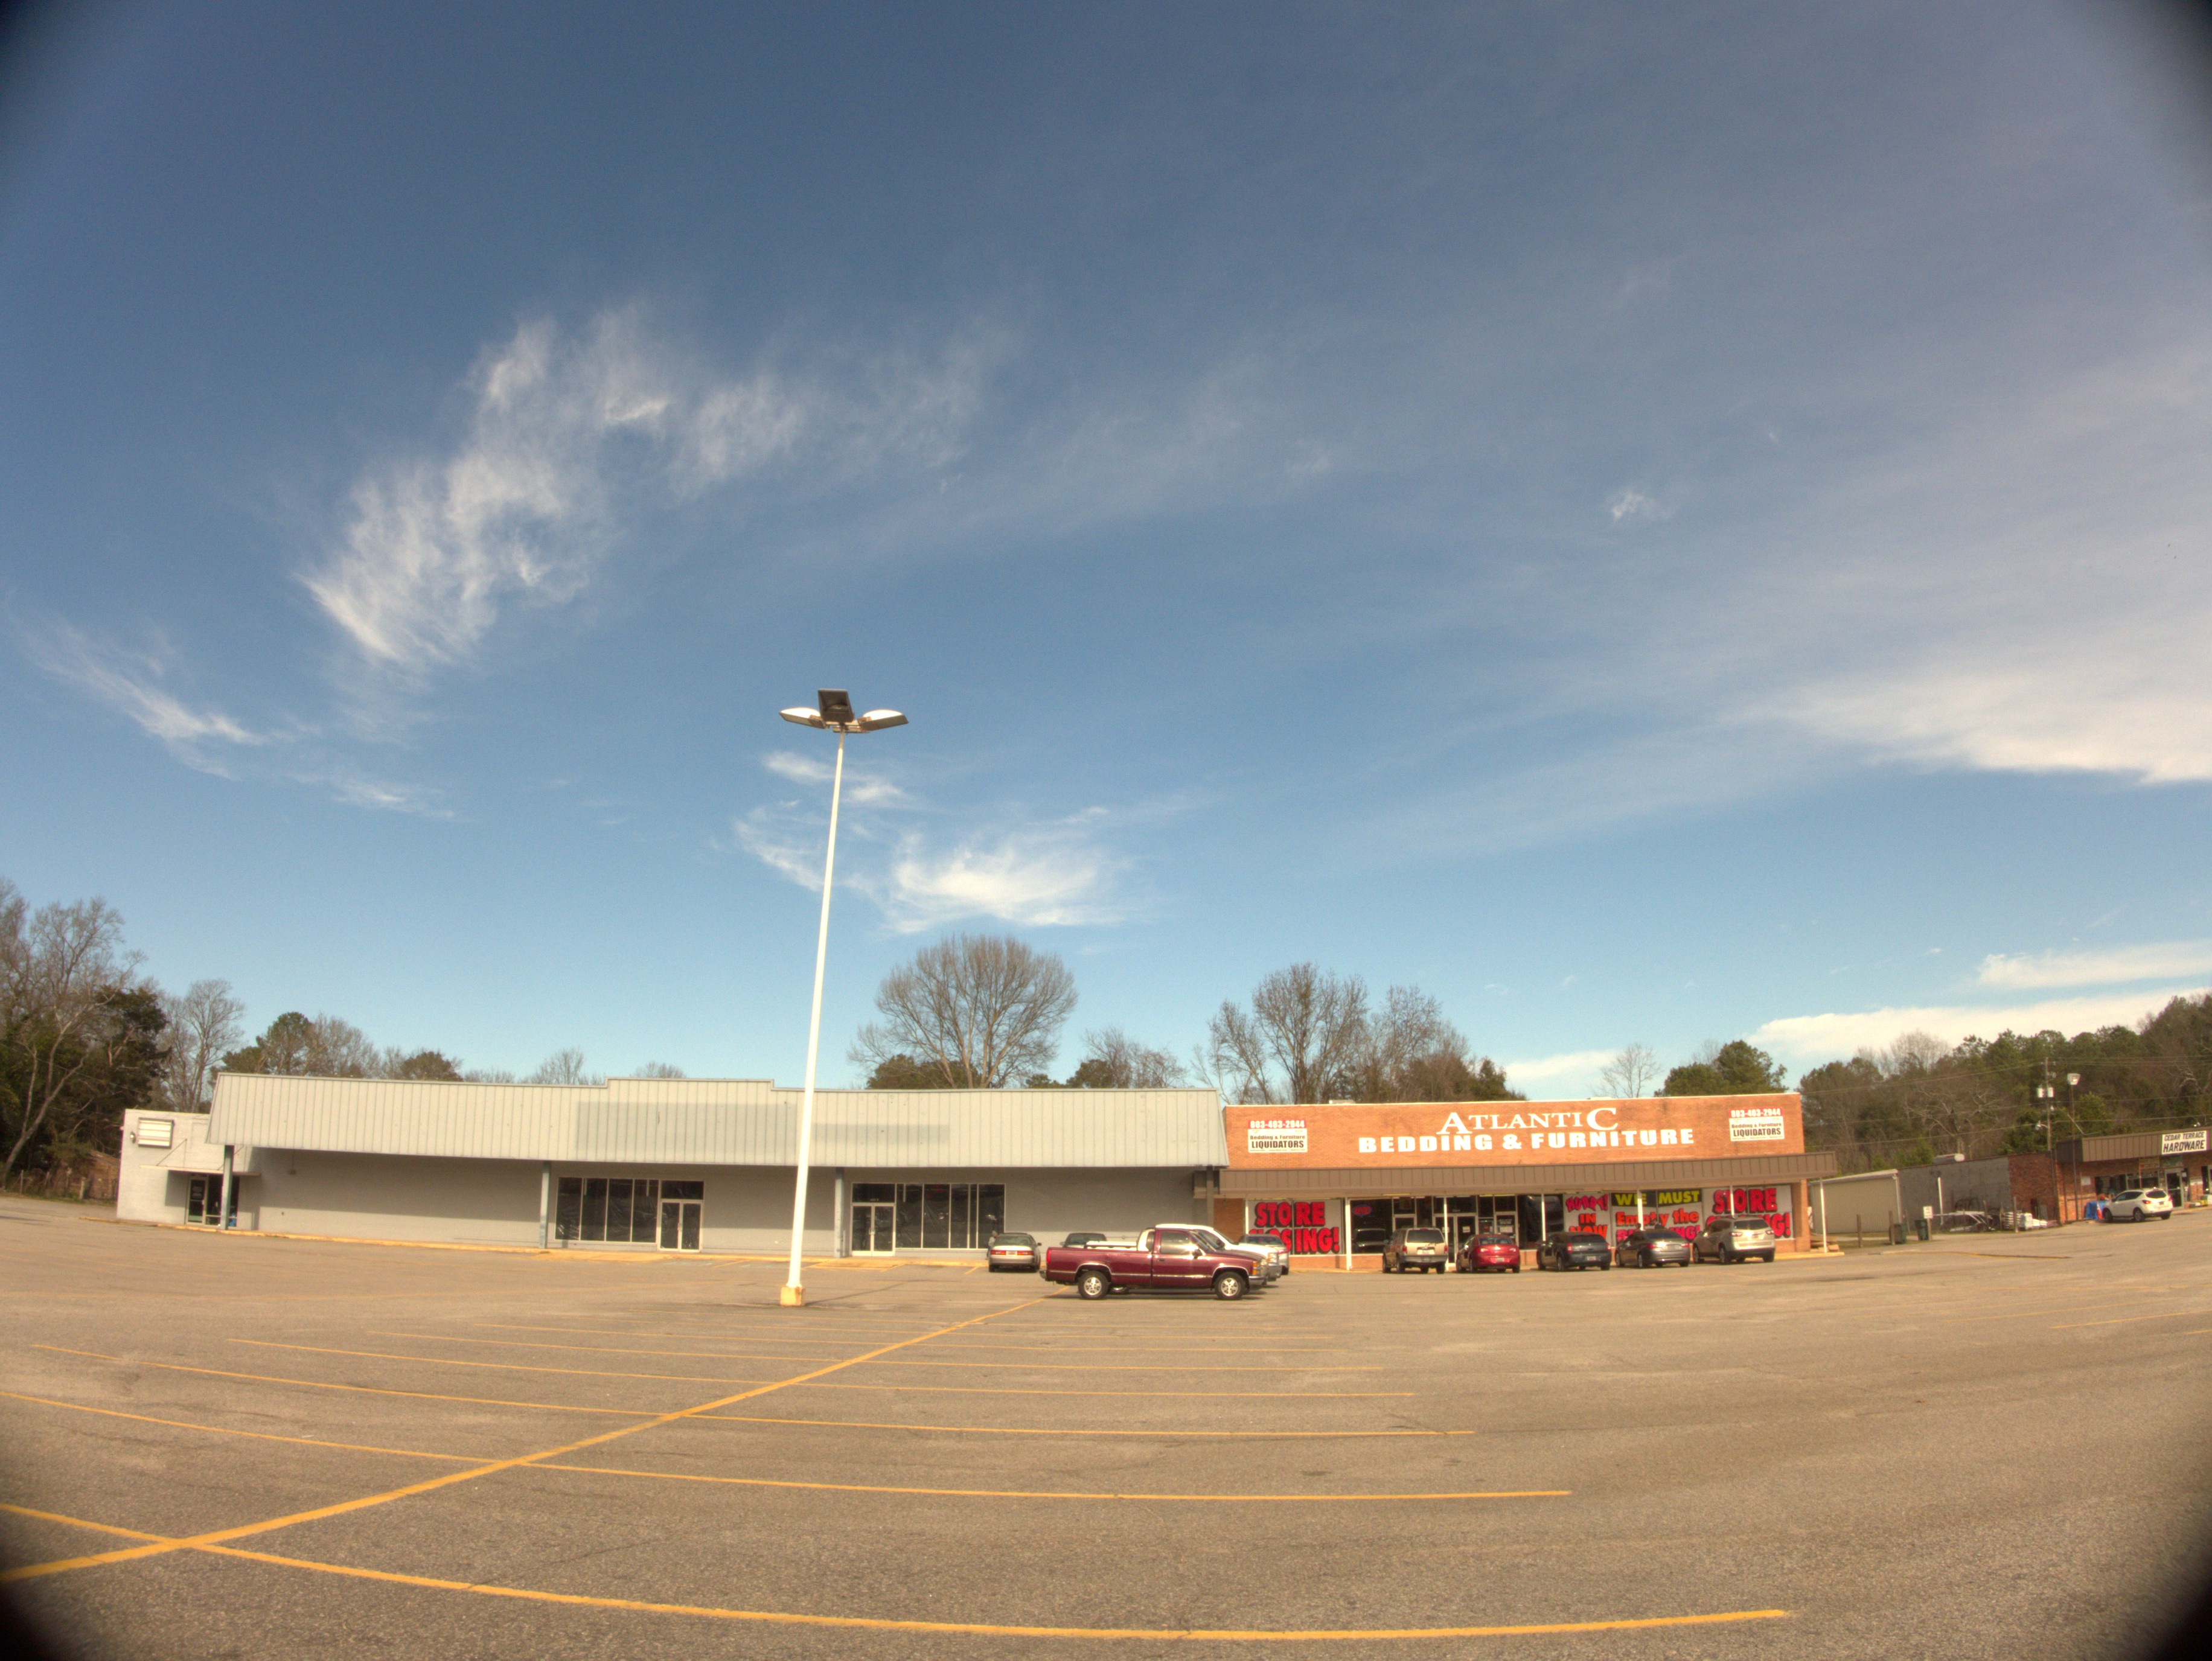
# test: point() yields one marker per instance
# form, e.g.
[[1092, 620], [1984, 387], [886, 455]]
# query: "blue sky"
[[1653, 523]]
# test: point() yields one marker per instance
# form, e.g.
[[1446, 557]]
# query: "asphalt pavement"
[[226, 1446]]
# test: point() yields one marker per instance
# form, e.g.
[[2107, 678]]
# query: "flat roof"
[[702, 1121]]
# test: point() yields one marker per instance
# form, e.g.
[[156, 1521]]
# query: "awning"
[[1383, 1180]]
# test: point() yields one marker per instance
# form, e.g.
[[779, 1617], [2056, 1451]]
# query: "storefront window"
[[926, 1216], [1370, 1225], [622, 1210]]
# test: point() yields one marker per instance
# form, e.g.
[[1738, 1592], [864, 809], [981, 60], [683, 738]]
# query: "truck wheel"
[[1228, 1286], [1093, 1283]]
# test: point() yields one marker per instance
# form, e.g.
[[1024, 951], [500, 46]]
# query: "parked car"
[[1013, 1250], [1732, 1240], [1084, 1237], [1575, 1250], [1416, 1248], [2141, 1205], [1485, 1252], [1279, 1254], [1180, 1258], [1652, 1248]]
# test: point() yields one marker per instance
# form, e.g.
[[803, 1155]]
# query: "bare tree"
[[63, 971], [322, 1047], [1305, 1028], [1112, 1060], [204, 1027], [565, 1067], [660, 1070], [977, 1010], [1632, 1072]]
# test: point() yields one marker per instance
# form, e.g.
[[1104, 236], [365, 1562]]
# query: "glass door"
[[871, 1228], [679, 1225]]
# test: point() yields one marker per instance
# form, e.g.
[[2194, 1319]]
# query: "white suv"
[[2140, 1205]]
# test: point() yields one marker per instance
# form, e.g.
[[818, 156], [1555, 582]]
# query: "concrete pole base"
[[793, 1297]]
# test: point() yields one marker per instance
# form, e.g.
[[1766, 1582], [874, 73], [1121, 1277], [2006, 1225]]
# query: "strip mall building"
[[707, 1165], [1337, 1180]]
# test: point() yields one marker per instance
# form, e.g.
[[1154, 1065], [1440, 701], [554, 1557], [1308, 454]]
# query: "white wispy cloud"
[[1574, 1065], [1632, 503], [1036, 875], [1049, 873], [128, 681], [2117, 966], [1817, 1037], [358, 790], [862, 788], [568, 437]]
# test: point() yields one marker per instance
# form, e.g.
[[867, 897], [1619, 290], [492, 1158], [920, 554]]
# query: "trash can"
[[1896, 1233], [1922, 1223]]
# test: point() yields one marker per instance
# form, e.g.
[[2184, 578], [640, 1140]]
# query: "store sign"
[[1275, 1136], [1756, 1124], [1492, 1133], [1682, 1209], [1303, 1225], [1486, 1133], [2183, 1141]]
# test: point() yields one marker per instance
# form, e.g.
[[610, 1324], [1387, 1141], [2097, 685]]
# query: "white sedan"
[[2140, 1205]]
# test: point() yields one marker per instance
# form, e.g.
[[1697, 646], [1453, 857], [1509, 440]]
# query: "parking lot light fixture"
[[832, 713]]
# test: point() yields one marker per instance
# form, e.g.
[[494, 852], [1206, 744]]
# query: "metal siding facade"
[[726, 1122]]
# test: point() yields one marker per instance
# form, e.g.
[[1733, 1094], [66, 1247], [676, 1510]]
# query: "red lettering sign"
[[1303, 1225]]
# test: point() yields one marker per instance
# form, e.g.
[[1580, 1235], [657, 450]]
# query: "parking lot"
[[242, 1448]]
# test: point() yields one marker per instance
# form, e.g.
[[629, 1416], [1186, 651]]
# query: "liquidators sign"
[[1493, 1133]]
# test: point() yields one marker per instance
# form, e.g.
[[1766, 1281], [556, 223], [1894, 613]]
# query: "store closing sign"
[[1682, 1209], [1303, 1225]]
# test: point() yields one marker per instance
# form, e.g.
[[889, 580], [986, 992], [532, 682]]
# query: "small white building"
[[671, 1164]]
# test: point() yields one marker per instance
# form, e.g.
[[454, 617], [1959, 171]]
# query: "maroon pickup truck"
[[1160, 1259]]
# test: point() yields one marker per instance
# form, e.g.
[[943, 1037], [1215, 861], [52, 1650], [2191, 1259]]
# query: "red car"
[[1499, 1251]]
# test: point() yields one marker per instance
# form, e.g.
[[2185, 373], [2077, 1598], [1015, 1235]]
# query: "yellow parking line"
[[432, 1484], [1110, 1367], [2121, 1321], [1208, 1395], [78, 1522], [591, 1348], [225, 1430], [501, 1367], [966, 1628], [1020, 1430], [1050, 1494], [1198, 1345], [364, 1389], [621, 1332]]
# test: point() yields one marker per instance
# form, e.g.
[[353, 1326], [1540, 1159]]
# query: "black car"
[[1575, 1251], [1653, 1248], [1084, 1236]]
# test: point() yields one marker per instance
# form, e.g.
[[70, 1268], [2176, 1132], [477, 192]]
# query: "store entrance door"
[[679, 1225], [871, 1228]]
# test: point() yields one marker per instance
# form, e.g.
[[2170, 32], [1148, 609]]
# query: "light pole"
[[833, 712]]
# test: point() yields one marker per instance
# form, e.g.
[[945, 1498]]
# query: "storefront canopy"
[[1742, 1170]]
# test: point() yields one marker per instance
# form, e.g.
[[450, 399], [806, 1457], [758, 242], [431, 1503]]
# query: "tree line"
[[84, 1036], [1919, 1097], [983, 1012]]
